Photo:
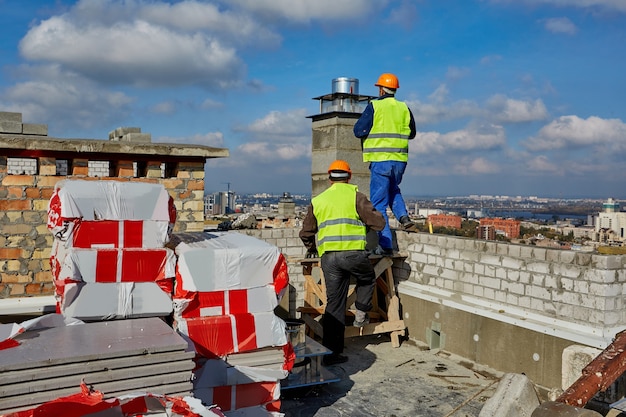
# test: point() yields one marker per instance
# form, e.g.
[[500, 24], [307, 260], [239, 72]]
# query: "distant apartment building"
[[445, 220], [425, 212], [587, 232], [219, 203], [510, 228], [486, 232], [610, 225]]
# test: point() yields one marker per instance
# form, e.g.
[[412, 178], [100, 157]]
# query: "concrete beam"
[[39, 143]]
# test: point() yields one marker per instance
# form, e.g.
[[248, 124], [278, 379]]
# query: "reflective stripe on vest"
[[339, 227], [388, 139]]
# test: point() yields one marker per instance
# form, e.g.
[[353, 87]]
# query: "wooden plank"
[[311, 310], [309, 261], [322, 286], [316, 289], [374, 315], [314, 312], [313, 325], [375, 328], [390, 314], [382, 265], [393, 307]]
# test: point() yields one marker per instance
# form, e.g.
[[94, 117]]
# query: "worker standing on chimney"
[[385, 128], [340, 217]]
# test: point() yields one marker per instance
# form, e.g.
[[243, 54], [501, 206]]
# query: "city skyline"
[[510, 97]]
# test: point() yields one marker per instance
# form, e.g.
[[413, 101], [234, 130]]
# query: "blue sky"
[[511, 97]]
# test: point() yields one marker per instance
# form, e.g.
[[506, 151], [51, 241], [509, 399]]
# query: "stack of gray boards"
[[113, 357]]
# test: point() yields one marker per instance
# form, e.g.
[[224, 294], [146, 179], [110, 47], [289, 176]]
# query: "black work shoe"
[[407, 224], [333, 359]]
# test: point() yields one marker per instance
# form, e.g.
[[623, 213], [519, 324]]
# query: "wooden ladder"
[[384, 317]]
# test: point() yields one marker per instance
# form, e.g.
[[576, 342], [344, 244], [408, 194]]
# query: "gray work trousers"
[[338, 267]]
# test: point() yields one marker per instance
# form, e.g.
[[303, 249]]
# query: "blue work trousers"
[[385, 179]]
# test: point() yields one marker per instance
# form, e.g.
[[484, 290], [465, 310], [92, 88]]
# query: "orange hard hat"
[[388, 80], [339, 169]]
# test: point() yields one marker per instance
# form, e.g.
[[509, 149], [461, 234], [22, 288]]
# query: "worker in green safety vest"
[[340, 217], [385, 128]]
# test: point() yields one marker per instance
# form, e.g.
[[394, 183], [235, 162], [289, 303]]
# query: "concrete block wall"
[[566, 290], [571, 287]]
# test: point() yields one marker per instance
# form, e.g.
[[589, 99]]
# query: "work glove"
[[312, 253]]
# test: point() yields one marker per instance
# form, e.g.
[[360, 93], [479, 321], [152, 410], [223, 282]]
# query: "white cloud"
[[438, 109], [440, 95], [489, 59], [137, 53], [405, 15], [66, 101], [279, 126], [237, 28], [278, 137], [274, 152], [481, 166], [211, 104], [304, 11], [508, 110], [490, 137], [541, 164], [164, 107], [560, 25], [498, 109], [574, 132], [457, 73]]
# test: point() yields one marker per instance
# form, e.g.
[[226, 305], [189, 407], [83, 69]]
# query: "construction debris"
[[599, 374], [514, 396]]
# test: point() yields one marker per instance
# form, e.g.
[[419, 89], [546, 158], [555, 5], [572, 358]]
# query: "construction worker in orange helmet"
[[385, 128], [335, 227], [339, 169], [388, 80]]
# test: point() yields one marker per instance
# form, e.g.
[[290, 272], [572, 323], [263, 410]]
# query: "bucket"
[[296, 334]]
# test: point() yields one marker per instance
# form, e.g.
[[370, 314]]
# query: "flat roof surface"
[[408, 381]]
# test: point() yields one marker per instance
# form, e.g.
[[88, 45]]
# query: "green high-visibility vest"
[[388, 139], [339, 226]]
